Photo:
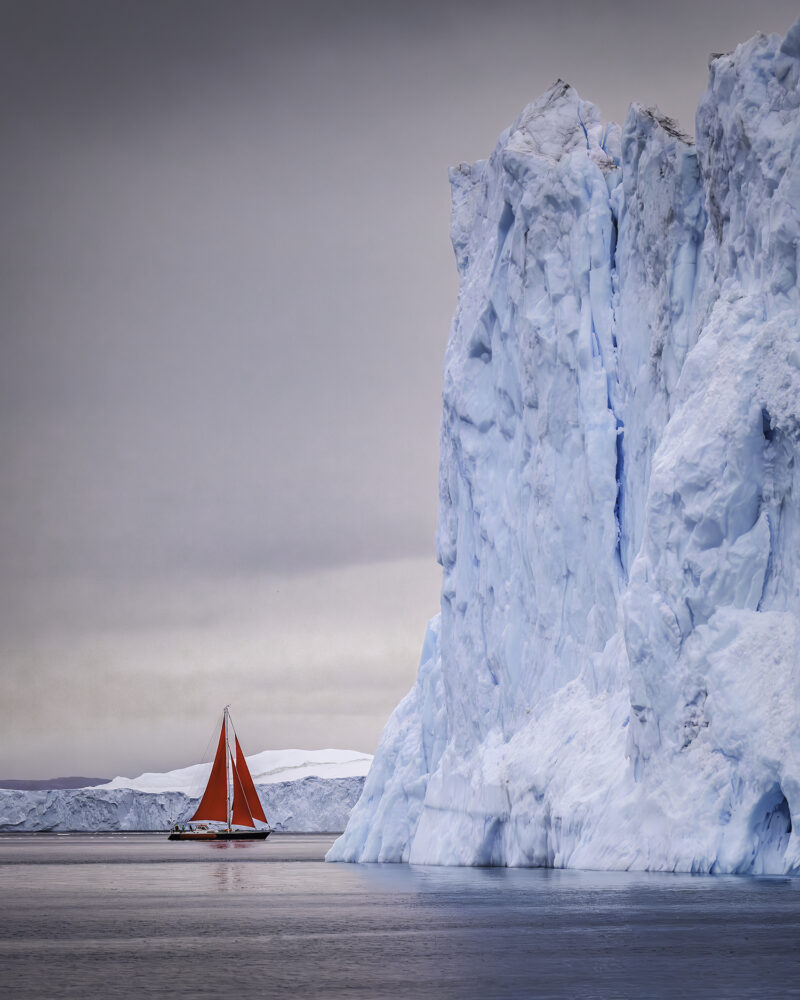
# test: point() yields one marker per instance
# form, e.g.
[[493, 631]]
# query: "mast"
[[229, 809]]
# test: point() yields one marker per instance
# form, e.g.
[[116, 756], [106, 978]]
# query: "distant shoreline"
[[45, 784]]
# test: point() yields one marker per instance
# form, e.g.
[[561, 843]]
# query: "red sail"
[[240, 813], [214, 803], [250, 793]]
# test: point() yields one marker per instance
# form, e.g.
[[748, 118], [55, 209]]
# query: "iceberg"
[[613, 681], [303, 791]]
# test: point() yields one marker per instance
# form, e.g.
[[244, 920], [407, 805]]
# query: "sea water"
[[133, 915]]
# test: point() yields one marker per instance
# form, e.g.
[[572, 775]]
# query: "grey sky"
[[227, 284]]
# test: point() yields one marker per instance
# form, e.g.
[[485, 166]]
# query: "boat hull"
[[219, 835]]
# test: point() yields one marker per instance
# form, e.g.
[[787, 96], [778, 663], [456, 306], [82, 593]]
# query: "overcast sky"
[[227, 284]]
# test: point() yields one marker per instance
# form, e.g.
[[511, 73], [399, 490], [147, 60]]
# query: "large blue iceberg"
[[614, 679]]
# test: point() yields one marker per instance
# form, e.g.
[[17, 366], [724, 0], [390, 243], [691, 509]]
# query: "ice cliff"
[[308, 805], [614, 679], [302, 791]]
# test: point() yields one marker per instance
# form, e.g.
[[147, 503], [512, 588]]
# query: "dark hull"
[[220, 835]]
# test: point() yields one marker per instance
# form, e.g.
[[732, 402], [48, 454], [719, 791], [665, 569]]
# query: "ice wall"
[[613, 681], [308, 805]]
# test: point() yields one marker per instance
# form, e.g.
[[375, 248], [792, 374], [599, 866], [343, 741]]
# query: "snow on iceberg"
[[267, 767], [613, 681]]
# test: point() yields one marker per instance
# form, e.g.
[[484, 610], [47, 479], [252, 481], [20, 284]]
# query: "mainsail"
[[214, 803]]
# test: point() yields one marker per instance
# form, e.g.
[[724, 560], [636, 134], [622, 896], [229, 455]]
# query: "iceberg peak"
[[554, 124]]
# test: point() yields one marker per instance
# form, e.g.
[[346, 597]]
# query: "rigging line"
[[196, 789], [242, 798], [230, 723], [235, 734]]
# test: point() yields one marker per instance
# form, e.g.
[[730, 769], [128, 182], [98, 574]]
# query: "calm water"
[[134, 915]]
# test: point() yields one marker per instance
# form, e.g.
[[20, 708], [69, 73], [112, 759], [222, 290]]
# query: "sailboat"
[[230, 797]]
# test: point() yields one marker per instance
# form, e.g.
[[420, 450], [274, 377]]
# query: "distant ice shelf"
[[303, 791], [614, 678]]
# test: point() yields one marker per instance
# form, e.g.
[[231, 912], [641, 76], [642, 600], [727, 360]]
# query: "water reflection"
[[228, 877], [207, 917]]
